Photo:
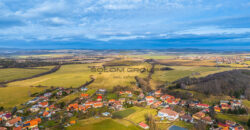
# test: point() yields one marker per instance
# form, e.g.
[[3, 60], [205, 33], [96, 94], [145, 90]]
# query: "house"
[[150, 100], [141, 95], [72, 122], [217, 109], [32, 123], [46, 114], [106, 114], [224, 102], [1, 114], [128, 92], [207, 120], [230, 123], [98, 104], [158, 93], [34, 108], [166, 96], [171, 101], [73, 106], [43, 104], [33, 100], [6, 116], [199, 115], [12, 122], [143, 125], [183, 103], [84, 95], [186, 118], [47, 94], [224, 126], [122, 100], [225, 106], [235, 103], [99, 98], [111, 100], [84, 89], [169, 114], [199, 105], [117, 105], [121, 92], [157, 104], [59, 93]]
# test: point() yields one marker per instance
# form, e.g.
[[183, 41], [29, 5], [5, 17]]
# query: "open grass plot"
[[107, 124], [67, 76], [10, 74], [121, 75], [183, 71], [14, 96]]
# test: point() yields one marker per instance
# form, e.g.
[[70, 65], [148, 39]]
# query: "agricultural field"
[[103, 124], [10, 74], [180, 62], [160, 77], [140, 114], [125, 78], [152, 56], [124, 113], [43, 56], [15, 95], [67, 76]]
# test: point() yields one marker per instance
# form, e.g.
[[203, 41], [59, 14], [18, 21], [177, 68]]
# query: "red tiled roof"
[[143, 125], [169, 112]]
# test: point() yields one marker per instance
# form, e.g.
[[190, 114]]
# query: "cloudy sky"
[[124, 23]]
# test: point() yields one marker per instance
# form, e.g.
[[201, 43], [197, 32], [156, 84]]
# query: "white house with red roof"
[[169, 114]]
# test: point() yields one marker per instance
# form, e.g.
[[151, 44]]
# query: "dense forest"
[[232, 83]]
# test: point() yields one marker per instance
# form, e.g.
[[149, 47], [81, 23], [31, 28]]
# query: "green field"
[[153, 56], [126, 78], [10, 74], [106, 124], [160, 77], [67, 76], [12, 96], [139, 115], [124, 113]]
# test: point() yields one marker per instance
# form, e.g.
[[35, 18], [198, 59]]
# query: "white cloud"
[[121, 37], [207, 30]]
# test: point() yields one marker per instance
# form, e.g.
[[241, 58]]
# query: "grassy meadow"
[[160, 77], [14, 96], [125, 78], [67, 76], [103, 124], [139, 115], [10, 74]]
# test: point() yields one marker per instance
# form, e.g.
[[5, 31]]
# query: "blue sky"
[[124, 23]]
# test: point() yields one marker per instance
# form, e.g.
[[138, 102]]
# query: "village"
[[43, 109]]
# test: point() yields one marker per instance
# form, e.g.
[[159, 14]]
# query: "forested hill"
[[232, 83]]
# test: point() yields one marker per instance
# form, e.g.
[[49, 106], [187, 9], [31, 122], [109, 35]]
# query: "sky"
[[124, 24]]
